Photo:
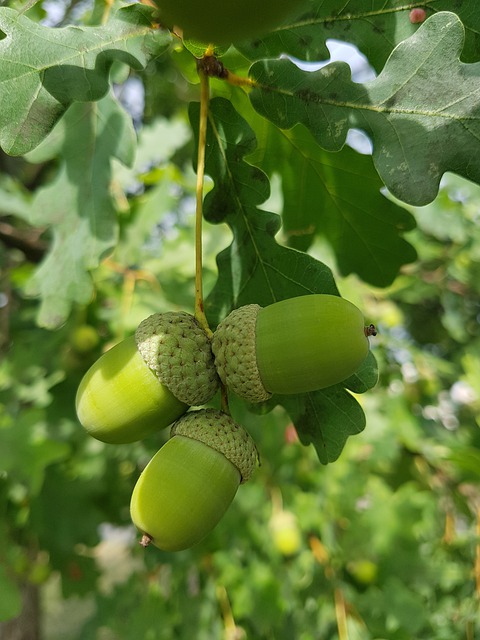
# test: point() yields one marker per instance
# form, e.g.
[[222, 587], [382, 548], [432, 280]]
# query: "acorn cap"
[[220, 432], [234, 347], [179, 352]]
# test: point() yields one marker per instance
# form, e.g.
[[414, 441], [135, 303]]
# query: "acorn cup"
[[188, 485], [294, 346], [148, 380]]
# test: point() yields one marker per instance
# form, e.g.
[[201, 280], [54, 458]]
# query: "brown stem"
[[212, 67], [28, 241], [371, 330]]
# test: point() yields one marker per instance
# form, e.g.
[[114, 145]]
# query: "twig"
[[341, 615], [26, 241]]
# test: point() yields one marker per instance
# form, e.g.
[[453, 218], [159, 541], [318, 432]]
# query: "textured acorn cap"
[[179, 352], [220, 432], [234, 347]]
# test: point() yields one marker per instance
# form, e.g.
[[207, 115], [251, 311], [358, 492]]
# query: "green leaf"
[[152, 207], [422, 111], [365, 377], [78, 204], [11, 600], [26, 451], [256, 269], [404, 607], [157, 143], [337, 196], [14, 198], [67, 515], [466, 460], [44, 70], [326, 419], [375, 27]]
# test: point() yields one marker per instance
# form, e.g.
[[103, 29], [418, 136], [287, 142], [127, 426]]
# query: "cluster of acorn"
[[151, 380]]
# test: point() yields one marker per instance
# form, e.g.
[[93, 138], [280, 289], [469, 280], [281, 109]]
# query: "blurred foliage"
[[384, 538], [382, 544]]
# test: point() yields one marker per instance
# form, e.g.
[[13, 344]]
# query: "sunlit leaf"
[[422, 111], [26, 452], [78, 204], [44, 70]]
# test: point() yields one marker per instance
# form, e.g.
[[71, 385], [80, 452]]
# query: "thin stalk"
[[470, 631], [239, 81], [202, 142], [449, 532], [477, 557], [230, 627], [341, 614], [106, 11]]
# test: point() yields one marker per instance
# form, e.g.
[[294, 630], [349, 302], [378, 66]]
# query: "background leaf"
[[78, 204], [339, 197], [44, 70], [25, 453], [422, 111], [11, 602]]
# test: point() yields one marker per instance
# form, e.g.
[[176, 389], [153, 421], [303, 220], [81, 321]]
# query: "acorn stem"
[[277, 500], [224, 399], [202, 141], [239, 81], [370, 330]]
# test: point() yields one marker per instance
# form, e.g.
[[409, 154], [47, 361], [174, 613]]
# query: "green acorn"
[[294, 346], [189, 484], [149, 380], [226, 21]]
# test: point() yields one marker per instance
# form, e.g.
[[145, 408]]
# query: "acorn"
[[148, 380], [285, 532], [188, 485], [84, 338], [226, 21], [293, 346]]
